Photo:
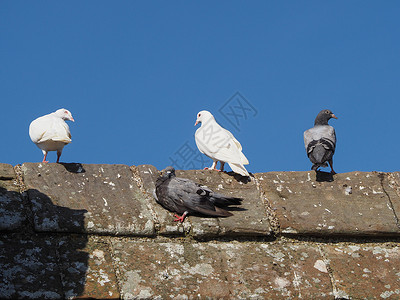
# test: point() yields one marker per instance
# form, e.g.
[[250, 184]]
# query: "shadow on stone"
[[240, 178], [323, 176], [42, 263], [74, 167], [53, 218], [235, 208], [12, 210]]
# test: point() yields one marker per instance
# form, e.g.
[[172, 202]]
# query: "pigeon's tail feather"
[[238, 168], [319, 154], [244, 159], [218, 212], [220, 200]]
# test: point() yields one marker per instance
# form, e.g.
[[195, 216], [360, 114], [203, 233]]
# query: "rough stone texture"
[[220, 270], [94, 231], [249, 219], [365, 272], [101, 199], [28, 268], [353, 204], [276, 271], [12, 211], [6, 172], [87, 268], [392, 182]]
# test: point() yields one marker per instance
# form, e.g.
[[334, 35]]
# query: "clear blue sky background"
[[135, 74]]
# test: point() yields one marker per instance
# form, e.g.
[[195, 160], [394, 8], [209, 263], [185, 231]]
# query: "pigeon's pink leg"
[[331, 164], [213, 167], [44, 158], [222, 166], [58, 156], [180, 218]]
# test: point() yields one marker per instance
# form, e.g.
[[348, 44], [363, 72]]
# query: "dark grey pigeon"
[[185, 196], [320, 141]]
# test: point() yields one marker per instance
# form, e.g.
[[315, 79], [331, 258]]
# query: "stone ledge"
[[94, 231], [81, 198], [354, 204], [13, 213], [48, 266], [118, 200]]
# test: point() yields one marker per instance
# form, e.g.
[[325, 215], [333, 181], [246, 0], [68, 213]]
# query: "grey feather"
[[320, 141], [182, 195]]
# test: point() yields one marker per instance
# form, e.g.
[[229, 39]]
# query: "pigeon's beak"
[[197, 122], [333, 116], [72, 119]]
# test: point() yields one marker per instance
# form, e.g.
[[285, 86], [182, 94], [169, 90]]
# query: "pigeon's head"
[[169, 172], [64, 114], [203, 116], [323, 117]]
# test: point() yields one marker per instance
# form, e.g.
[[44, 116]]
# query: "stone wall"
[[95, 231]]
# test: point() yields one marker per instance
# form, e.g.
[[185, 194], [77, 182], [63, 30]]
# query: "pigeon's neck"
[[208, 120], [321, 121]]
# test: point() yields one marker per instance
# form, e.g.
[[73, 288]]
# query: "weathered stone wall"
[[94, 231]]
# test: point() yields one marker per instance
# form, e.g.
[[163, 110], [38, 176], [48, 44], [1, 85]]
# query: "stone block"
[[28, 268], [392, 183], [7, 172], [102, 199], [87, 268], [353, 204], [13, 213], [365, 272], [249, 219], [220, 270]]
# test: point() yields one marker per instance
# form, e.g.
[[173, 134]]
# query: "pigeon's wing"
[[194, 197], [324, 134], [162, 196], [48, 128], [219, 144], [243, 158]]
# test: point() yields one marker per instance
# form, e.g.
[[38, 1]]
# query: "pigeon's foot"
[[206, 168], [212, 169], [333, 172], [180, 218], [45, 161]]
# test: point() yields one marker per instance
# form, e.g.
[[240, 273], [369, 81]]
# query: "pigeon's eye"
[[199, 115], [327, 111]]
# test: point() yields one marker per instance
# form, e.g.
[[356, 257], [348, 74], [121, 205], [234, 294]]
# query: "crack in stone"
[[139, 183], [382, 178], [115, 265], [23, 191], [271, 214], [337, 293]]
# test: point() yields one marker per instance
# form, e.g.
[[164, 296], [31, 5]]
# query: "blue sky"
[[134, 74]]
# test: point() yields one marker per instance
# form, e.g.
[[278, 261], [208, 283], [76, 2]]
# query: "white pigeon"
[[219, 144], [51, 132]]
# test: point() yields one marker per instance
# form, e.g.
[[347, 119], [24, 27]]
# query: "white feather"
[[219, 144], [50, 132]]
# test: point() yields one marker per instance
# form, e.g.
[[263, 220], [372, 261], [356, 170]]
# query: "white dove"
[[219, 144], [51, 132]]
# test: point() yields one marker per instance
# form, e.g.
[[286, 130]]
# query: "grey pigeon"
[[320, 141], [185, 196]]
